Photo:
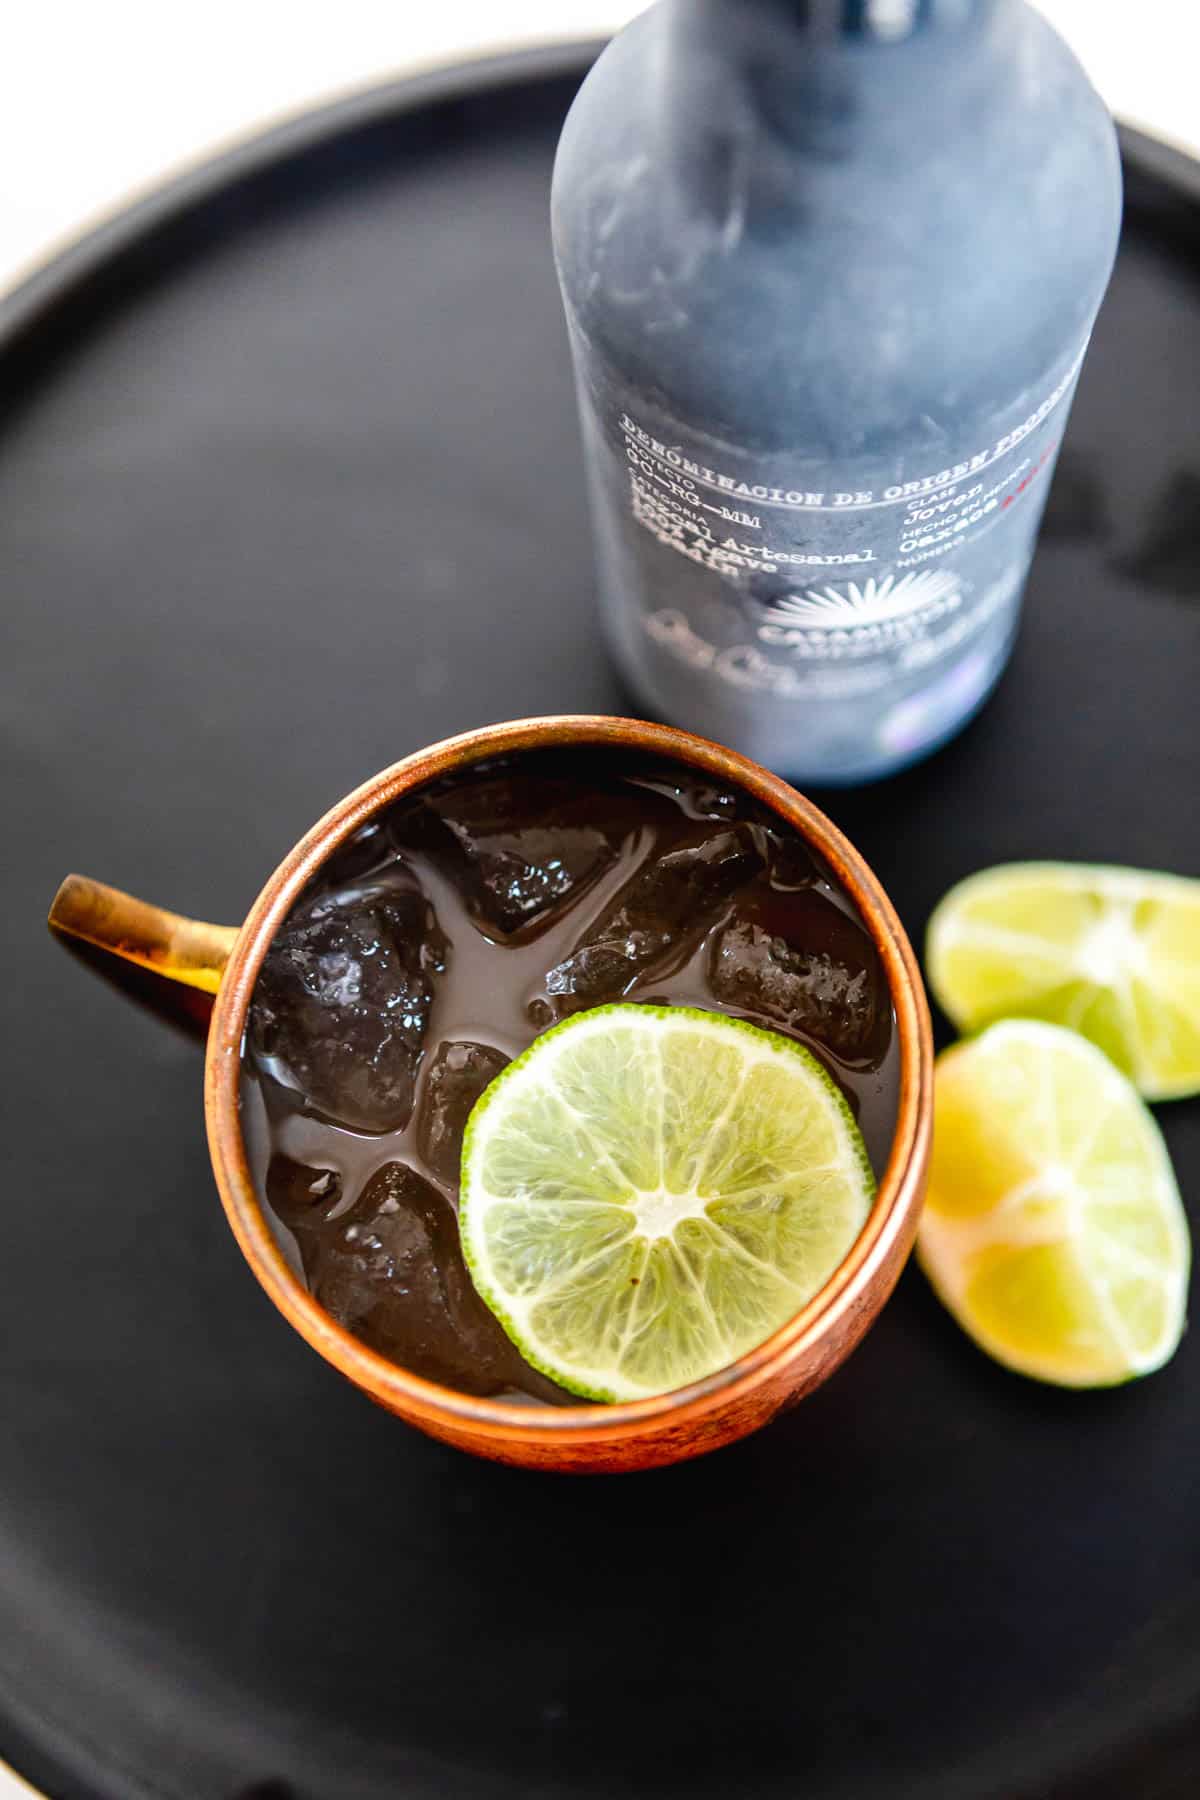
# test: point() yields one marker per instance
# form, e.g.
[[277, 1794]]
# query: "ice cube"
[[793, 864], [796, 961], [389, 1267], [658, 917], [365, 853], [303, 1197], [518, 848], [699, 799], [343, 1000], [457, 1077]]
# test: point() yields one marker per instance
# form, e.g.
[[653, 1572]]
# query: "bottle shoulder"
[[898, 257]]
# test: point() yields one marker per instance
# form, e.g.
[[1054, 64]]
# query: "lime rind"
[[600, 1232], [1103, 1261], [1110, 952]]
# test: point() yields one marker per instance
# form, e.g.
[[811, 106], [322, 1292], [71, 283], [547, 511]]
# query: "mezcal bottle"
[[830, 269]]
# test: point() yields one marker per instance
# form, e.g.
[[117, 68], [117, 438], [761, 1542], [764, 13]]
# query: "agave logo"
[[868, 602]]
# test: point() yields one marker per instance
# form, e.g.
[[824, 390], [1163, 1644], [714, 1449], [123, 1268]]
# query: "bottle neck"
[[750, 88], [880, 21]]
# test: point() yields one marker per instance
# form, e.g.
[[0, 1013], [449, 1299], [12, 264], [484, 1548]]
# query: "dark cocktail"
[[458, 926]]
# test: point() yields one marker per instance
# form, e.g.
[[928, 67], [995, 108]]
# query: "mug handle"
[[170, 964]]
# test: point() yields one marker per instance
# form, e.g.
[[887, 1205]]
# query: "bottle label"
[[838, 587]]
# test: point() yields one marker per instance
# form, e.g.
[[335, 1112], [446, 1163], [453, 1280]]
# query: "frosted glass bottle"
[[830, 269]]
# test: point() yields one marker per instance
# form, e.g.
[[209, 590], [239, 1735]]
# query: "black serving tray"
[[289, 486]]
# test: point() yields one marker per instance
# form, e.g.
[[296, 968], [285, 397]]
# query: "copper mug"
[[212, 971]]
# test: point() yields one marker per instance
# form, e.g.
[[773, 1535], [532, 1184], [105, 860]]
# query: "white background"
[[101, 99]]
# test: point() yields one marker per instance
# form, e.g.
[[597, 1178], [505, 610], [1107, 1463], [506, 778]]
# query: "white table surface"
[[101, 102]]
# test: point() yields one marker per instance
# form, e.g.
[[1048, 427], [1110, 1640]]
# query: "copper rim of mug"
[[896, 1198]]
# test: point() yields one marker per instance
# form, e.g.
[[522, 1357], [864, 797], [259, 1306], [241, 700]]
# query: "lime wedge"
[[1053, 1230], [651, 1191], [1111, 953]]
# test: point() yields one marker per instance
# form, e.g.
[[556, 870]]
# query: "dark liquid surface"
[[438, 943]]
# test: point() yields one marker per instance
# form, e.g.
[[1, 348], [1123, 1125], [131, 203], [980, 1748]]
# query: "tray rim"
[[36, 294], [68, 270]]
